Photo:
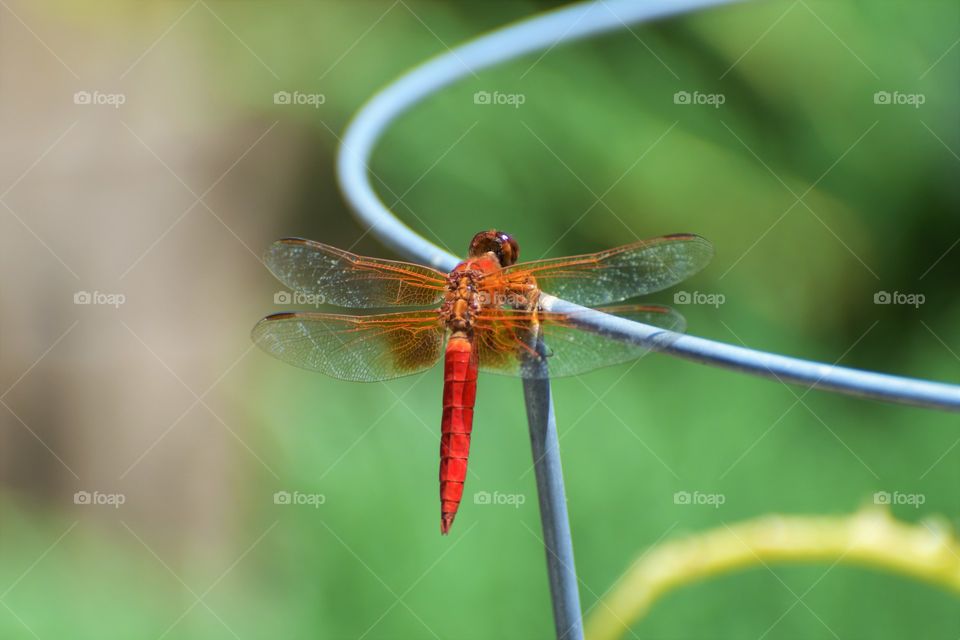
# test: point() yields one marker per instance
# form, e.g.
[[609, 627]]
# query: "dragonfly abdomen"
[[459, 396]]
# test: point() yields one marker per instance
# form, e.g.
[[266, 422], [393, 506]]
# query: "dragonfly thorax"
[[462, 300]]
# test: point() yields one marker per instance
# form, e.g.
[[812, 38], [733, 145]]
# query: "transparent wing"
[[616, 274], [345, 279], [358, 348], [500, 340]]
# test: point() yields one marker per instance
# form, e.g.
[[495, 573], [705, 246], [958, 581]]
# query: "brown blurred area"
[[160, 200]]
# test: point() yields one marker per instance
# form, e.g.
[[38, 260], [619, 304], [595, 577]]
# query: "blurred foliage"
[[880, 202]]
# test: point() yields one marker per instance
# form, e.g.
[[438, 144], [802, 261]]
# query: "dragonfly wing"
[[345, 279], [359, 348], [501, 340], [616, 274]]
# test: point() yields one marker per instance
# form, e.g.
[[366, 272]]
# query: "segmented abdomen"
[[459, 395]]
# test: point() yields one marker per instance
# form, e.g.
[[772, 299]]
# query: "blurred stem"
[[928, 552]]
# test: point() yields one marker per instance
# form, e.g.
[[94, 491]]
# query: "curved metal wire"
[[574, 22], [542, 32]]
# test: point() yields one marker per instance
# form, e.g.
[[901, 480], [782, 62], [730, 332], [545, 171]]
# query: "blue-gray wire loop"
[[541, 32]]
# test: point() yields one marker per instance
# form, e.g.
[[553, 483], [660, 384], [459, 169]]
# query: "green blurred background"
[[163, 401]]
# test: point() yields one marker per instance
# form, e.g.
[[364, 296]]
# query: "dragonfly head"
[[496, 242]]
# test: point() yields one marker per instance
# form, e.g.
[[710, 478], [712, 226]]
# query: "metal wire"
[[557, 540], [542, 31], [538, 33]]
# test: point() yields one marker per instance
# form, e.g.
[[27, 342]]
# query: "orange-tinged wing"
[[501, 343], [345, 279], [615, 274], [359, 348]]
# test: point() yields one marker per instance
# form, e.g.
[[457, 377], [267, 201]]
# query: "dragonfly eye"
[[499, 243]]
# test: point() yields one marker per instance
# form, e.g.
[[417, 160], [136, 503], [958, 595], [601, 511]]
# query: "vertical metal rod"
[[545, 444]]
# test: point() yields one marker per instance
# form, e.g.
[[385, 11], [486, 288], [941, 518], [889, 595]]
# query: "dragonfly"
[[484, 315]]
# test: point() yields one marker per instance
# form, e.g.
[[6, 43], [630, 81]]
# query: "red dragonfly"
[[483, 315]]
